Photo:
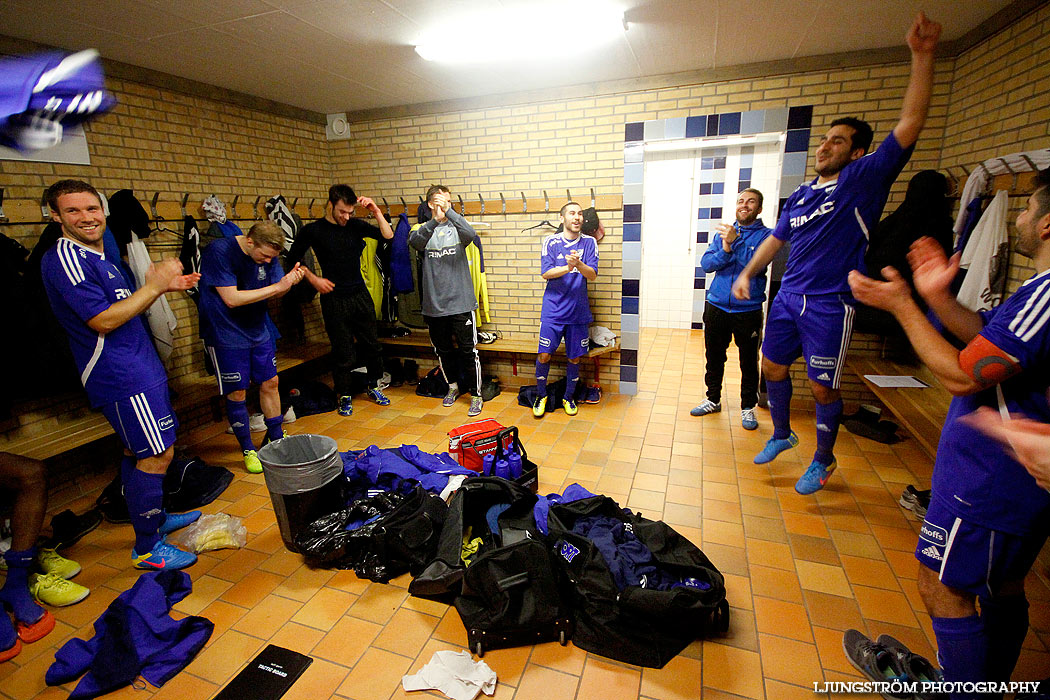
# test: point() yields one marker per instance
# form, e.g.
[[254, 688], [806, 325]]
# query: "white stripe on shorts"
[[149, 426]]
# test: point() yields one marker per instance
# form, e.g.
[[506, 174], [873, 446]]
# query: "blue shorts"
[[236, 368], [973, 558], [144, 422], [577, 338], [815, 326]]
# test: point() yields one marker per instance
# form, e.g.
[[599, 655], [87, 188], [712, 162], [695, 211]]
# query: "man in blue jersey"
[[988, 517], [119, 367], [568, 261], [239, 274], [827, 222], [728, 318]]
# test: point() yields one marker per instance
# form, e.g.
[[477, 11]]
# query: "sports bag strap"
[[506, 584]]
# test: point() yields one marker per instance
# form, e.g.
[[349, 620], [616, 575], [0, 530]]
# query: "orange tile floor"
[[799, 569]]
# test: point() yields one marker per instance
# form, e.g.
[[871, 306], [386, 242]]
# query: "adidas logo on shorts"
[[823, 376], [932, 552]]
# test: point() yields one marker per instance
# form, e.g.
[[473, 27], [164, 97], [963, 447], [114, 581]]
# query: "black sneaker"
[[873, 660], [67, 527], [917, 668]]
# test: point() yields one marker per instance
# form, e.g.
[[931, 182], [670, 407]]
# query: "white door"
[[668, 240]]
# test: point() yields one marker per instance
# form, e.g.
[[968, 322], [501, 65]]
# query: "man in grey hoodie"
[[448, 296]]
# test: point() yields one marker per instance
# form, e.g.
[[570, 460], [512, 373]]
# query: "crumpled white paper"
[[454, 673]]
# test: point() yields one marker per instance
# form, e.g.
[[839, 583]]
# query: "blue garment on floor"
[[135, 636], [373, 470], [574, 492]]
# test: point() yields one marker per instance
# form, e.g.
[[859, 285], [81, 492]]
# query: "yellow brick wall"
[[167, 142]]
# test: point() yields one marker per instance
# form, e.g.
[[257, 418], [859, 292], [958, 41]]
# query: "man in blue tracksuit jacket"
[[726, 317]]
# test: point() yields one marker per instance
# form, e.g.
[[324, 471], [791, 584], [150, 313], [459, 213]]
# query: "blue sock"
[[144, 493], [572, 378], [237, 413], [828, 417], [962, 648], [542, 368], [274, 431], [16, 588], [780, 407], [1005, 621]]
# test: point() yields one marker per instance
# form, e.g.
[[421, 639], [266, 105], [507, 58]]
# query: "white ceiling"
[[347, 55]]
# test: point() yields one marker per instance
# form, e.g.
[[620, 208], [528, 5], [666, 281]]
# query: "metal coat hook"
[[153, 206], [45, 208], [185, 198], [965, 170], [1013, 184], [594, 201], [294, 202], [386, 204], [524, 204], [403, 205], [233, 207], [546, 203], [255, 209], [3, 217], [503, 203], [462, 211], [310, 208], [1031, 165], [480, 199], [568, 197]]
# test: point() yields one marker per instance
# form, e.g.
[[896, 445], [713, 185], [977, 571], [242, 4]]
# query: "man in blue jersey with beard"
[[827, 222], [119, 366], [568, 261], [988, 517]]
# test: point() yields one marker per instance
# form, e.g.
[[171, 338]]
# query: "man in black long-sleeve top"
[[338, 240]]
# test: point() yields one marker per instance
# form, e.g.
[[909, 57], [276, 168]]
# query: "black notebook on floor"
[[268, 676]]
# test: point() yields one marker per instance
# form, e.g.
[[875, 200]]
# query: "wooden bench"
[[187, 391], [920, 411], [511, 346]]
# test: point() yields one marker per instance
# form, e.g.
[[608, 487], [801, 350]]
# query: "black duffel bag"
[[646, 621]]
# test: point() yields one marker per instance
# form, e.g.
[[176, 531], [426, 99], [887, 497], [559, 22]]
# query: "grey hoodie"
[[447, 288]]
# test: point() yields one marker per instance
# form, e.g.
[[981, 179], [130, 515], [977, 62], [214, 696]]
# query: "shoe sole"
[[63, 605], [12, 651], [38, 630]]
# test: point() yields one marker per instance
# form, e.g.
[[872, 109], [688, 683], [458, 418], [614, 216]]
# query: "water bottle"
[[487, 463], [502, 467], [514, 460]]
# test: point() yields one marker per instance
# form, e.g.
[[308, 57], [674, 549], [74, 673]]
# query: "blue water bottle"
[[514, 460], [487, 464]]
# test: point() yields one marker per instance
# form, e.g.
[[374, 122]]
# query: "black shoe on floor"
[[917, 668], [873, 660], [67, 527]]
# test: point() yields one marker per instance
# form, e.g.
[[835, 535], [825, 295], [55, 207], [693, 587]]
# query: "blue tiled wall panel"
[[632, 213], [695, 127], [629, 305], [729, 123], [629, 287], [628, 373], [674, 128], [632, 232], [628, 357], [629, 388], [800, 117], [633, 131], [797, 140], [632, 251]]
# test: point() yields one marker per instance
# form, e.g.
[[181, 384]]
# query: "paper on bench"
[[896, 381]]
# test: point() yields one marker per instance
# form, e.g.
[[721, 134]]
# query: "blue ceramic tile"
[[794, 164], [633, 173], [718, 188], [632, 212], [705, 188], [729, 123], [632, 269], [720, 163], [629, 357], [800, 117], [632, 193], [745, 173], [628, 373], [632, 250], [703, 213], [629, 287], [797, 140], [699, 283], [632, 232], [702, 236], [629, 305], [707, 163], [716, 213], [743, 185], [654, 129], [674, 128], [698, 272], [751, 122], [633, 131], [712, 125], [775, 119], [695, 126]]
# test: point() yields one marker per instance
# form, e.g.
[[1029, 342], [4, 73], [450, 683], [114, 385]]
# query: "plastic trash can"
[[304, 474]]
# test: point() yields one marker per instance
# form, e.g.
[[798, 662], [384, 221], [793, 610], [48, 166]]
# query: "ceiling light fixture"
[[533, 31]]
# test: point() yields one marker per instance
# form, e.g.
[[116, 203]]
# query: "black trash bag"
[[402, 539]]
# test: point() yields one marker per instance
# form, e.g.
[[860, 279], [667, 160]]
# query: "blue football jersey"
[[973, 475], [828, 224], [81, 284], [224, 264], [565, 297]]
